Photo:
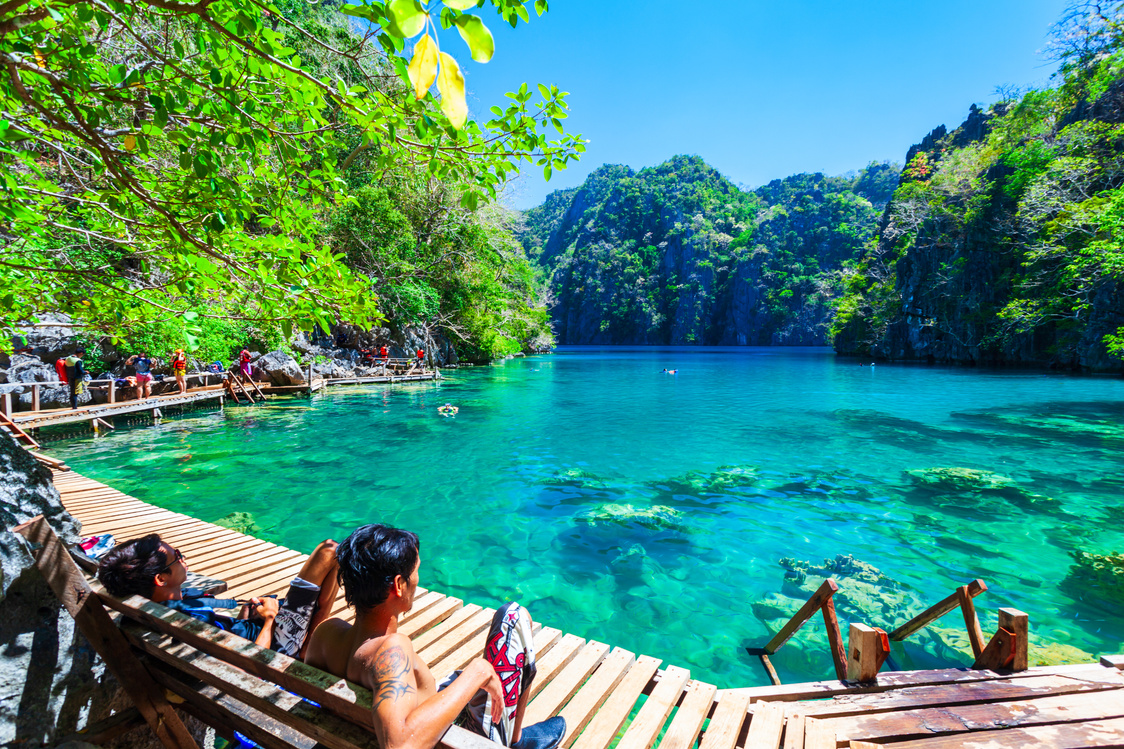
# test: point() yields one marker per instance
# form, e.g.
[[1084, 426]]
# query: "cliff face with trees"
[[677, 254], [1004, 242]]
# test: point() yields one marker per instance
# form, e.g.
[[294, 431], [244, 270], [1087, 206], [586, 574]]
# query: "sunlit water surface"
[[501, 495]]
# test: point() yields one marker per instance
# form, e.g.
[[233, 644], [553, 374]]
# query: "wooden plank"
[[794, 732], [82, 603], [562, 687], [689, 718], [1059, 736], [432, 616], [766, 725], [580, 710], [227, 714], [810, 607], [459, 617], [473, 626], [651, 717], [553, 662], [1017, 623], [1067, 708], [545, 639], [260, 695], [423, 599], [612, 715], [459, 658], [999, 652], [980, 692], [106, 730], [726, 724], [1112, 661], [818, 735], [936, 611]]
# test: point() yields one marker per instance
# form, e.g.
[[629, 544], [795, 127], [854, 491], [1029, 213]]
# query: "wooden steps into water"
[[598, 688]]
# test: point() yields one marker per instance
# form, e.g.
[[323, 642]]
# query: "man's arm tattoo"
[[391, 669]]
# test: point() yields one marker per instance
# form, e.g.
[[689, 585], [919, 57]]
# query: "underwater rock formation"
[[243, 522], [1097, 579], [656, 517]]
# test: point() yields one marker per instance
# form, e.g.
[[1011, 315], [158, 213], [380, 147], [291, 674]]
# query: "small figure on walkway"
[[179, 369], [143, 366], [421, 358], [153, 568], [75, 374], [244, 364], [384, 354]]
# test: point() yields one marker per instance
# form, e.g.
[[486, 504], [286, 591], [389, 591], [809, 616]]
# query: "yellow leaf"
[[423, 65], [450, 83], [130, 142], [40, 59]]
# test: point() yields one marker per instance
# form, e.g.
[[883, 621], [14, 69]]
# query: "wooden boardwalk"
[[597, 687]]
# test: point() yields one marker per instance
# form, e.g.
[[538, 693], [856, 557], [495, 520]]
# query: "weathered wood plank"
[[810, 607], [580, 710], [471, 627], [1058, 736], [553, 662], [649, 720], [997, 690], [431, 616], [563, 686], [461, 615], [612, 715], [689, 718], [726, 724], [956, 719], [766, 725], [794, 732], [818, 735]]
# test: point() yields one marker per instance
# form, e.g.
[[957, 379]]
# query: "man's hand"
[[494, 688], [266, 608]]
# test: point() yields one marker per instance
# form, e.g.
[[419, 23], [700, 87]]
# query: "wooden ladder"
[[20, 435]]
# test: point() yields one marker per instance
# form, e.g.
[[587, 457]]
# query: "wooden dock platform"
[[57, 416], [597, 687]]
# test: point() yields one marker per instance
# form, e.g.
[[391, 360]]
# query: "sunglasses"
[[177, 557]]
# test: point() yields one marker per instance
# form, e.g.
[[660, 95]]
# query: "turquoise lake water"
[[749, 456]]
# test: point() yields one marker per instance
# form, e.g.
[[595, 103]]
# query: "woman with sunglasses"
[[153, 568]]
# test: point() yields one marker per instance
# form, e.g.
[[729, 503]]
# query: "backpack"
[[60, 369]]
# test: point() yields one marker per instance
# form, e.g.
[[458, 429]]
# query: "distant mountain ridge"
[[677, 254]]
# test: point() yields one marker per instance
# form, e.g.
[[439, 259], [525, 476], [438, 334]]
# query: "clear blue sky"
[[760, 90]]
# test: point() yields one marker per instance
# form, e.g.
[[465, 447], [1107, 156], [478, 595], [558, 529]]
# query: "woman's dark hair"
[[369, 560], [129, 568]]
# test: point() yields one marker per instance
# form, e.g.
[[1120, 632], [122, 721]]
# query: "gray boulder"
[[30, 369], [278, 368]]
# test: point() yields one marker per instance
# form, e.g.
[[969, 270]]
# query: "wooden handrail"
[[937, 610], [822, 601]]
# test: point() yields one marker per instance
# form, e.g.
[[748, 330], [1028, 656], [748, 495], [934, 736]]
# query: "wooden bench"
[[164, 658]]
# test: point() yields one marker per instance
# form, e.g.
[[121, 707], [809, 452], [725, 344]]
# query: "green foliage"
[[159, 154]]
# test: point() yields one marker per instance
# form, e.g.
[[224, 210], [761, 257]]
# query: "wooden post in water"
[[310, 378], [35, 397]]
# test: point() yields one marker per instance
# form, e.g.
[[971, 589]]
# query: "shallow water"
[[501, 494]]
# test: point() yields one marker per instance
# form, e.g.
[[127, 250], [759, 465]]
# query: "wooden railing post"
[[971, 621], [35, 397], [868, 649], [113, 391], [1007, 648], [6, 404]]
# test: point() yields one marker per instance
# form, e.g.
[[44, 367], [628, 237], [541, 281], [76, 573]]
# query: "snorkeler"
[[447, 410]]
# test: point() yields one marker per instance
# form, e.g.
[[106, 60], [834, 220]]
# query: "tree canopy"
[[167, 158]]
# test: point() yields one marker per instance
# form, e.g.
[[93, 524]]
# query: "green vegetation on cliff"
[[1005, 240], [677, 254]]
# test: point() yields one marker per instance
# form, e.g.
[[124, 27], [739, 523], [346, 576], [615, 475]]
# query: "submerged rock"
[[656, 517], [720, 480], [961, 479], [1097, 579], [243, 522], [576, 477]]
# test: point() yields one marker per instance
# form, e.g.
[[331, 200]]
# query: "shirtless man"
[[379, 573]]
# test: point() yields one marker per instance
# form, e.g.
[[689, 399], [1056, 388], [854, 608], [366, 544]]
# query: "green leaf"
[[358, 11], [191, 315], [461, 5], [406, 18], [540, 7], [477, 36]]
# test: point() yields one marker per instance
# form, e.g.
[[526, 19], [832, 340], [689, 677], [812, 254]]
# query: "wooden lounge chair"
[[162, 657]]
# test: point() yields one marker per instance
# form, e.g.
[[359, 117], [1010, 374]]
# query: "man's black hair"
[[369, 560], [80, 351], [129, 568]]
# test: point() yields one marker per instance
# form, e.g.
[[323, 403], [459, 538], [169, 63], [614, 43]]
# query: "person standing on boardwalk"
[[244, 365], [378, 568], [75, 375], [179, 369], [421, 358], [143, 367], [384, 354]]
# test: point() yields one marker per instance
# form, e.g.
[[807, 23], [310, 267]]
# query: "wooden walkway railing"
[[597, 687]]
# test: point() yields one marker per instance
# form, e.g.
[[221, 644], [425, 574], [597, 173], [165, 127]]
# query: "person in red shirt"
[[421, 358], [244, 364], [384, 354]]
